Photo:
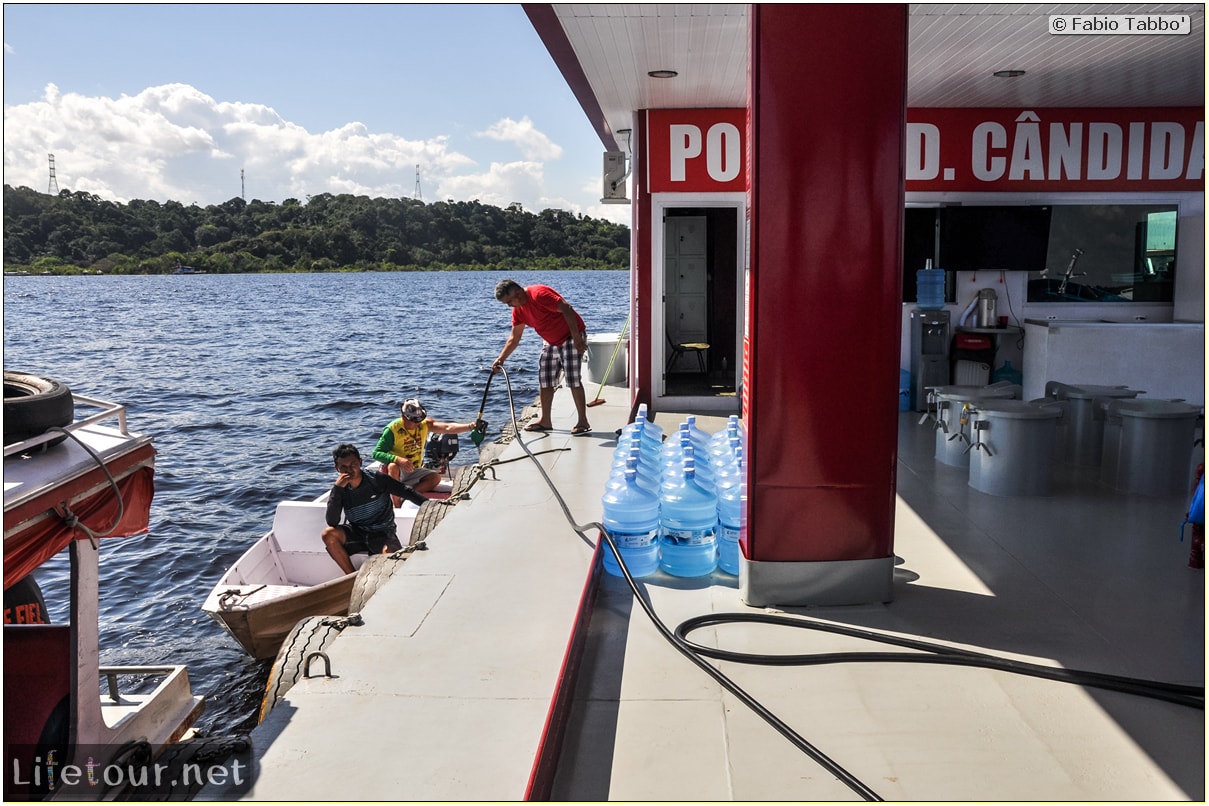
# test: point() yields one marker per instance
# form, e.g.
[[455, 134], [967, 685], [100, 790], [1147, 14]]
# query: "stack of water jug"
[[676, 504]]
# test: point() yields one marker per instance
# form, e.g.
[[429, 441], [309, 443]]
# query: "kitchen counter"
[[1165, 359]]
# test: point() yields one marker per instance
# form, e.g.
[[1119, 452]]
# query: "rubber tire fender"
[[372, 574], [431, 513], [311, 634], [464, 478], [32, 404]]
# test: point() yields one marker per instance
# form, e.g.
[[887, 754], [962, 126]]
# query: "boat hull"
[[261, 626], [288, 575]]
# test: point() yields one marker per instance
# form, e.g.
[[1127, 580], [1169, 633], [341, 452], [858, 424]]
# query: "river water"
[[246, 382]]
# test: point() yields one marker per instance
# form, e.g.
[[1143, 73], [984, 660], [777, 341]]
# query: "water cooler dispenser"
[[929, 354]]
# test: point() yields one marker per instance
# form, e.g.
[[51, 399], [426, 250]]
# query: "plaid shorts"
[[556, 358]]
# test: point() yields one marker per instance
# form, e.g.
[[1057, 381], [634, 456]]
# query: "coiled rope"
[[70, 518]]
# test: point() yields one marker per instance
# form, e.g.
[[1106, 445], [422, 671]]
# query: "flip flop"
[[581, 430], [536, 427]]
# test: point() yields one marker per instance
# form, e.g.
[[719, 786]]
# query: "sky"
[[173, 101]]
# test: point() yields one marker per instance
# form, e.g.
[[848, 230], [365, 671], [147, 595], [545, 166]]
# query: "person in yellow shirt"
[[400, 449]]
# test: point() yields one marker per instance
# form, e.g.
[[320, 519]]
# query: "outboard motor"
[[439, 451]]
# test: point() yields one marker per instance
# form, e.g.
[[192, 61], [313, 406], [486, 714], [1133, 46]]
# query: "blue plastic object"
[[732, 498], [1196, 509], [631, 514], [930, 289], [1008, 373], [1196, 512], [688, 527]]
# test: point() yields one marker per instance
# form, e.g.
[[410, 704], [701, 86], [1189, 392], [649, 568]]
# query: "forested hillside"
[[81, 233]]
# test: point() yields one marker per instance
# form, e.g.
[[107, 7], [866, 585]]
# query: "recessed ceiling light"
[[663, 74], [1008, 73]]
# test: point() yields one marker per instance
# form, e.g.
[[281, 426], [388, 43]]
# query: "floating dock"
[[501, 665]]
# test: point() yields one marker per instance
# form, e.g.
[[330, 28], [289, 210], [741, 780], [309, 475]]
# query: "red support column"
[[640, 271], [827, 117]]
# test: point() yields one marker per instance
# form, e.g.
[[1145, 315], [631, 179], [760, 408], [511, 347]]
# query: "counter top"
[[1102, 322], [992, 331]]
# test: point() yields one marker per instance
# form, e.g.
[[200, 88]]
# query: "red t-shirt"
[[541, 313]]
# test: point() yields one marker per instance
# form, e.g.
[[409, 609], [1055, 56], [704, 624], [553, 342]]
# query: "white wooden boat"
[[69, 482], [288, 575]]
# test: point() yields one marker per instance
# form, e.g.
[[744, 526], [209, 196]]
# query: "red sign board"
[[962, 150], [1001, 150], [696, 150]]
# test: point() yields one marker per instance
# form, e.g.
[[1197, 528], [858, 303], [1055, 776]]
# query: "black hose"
[[1190, 696], [682, 646], [925, 652]]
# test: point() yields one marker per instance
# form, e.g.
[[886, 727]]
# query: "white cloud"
[[174, 142], [533, 144], [501, 185]]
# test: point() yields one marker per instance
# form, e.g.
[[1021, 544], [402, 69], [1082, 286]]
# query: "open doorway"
[[698, 310]]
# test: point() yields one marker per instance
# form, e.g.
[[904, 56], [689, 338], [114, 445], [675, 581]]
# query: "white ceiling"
[[953, 50]]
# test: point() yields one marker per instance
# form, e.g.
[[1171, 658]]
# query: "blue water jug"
[[699, 437], [733, 430], [732, 503], [646, 480], [930, 289], [641, 417], [676, 458], [631, 514], [723, 451], [728, 469], [641, 432], [647, 449], [688, 528]]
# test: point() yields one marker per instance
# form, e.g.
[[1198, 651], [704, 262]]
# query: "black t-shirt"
[[368, 505]]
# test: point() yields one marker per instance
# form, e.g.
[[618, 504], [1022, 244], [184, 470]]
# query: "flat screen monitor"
[[994, 238]]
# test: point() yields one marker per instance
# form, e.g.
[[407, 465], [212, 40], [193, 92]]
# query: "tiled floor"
[[1085, 578]]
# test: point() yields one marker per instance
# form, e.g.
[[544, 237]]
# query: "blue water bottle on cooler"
[[631, 514], [688, 527]]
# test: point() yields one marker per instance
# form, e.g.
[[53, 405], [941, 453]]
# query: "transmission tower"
[[242, 197], [53, 187], [418, 195]]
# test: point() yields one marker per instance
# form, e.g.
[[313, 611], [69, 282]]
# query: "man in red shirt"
[[563, 331]]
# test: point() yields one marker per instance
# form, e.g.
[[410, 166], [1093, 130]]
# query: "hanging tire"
[[312, 634], [463, 479], [431, 513], [371, 576], [32, 405]]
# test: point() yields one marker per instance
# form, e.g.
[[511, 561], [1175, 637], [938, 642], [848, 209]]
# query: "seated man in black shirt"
[[365, 499]]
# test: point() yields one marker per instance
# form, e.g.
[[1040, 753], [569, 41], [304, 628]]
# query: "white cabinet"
[[685, 285]]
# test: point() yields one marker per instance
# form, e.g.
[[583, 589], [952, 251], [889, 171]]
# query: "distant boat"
[[188, 270]]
